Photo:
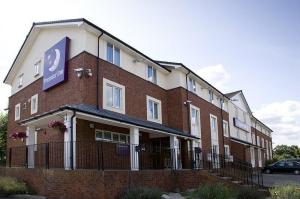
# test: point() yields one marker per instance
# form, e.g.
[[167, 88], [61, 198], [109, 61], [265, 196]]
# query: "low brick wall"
[[90, 184]]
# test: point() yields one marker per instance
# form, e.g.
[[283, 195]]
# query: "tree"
[[281, 152], [3, 133]]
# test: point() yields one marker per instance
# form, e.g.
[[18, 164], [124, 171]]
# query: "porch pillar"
[[174, 145], [31, 145], [67, 142], [134, 142]]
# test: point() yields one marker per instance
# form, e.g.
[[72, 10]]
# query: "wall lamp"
[[80, 72]]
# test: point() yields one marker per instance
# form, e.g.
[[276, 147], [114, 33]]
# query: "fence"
[[120, 156]]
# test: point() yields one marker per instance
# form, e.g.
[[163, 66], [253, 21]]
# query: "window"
[[258, 141], [151, 74], [34, 104], [192, 85], [17, 111], [153, 109], [214, 130], [211, 96], [113, 96], [20, 80], [213, 123], [195, 121], [113, 54], [37, 68], [263, 142], [253, 139], [225, 128], [101, 135], [226, 151]]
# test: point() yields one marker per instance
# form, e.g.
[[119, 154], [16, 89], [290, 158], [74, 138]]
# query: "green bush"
[[10, 186], [248, 193], [285, 192], [212, 192], [143, 193]]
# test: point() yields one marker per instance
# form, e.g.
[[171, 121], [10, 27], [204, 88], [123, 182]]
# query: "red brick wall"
[[93, 184]]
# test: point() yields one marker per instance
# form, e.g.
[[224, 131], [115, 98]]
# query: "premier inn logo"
[[55, 59]]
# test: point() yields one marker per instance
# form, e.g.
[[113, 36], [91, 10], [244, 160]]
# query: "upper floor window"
[[20, 82], [113, 96], [34, 104], [153, 109], [226, 150], [17, 111], [211, 96], [191, 85], [253, 139], [263, 142], [195, 121], [113, 54], [151, 74], [258, 140], [37, 66], [225, 128]]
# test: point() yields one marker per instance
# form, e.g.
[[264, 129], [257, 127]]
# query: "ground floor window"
[[102, 135]]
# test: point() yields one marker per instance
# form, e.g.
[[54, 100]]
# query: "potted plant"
[[58, 126]]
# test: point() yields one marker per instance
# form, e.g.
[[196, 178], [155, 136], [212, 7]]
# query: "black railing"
[[102, 155]]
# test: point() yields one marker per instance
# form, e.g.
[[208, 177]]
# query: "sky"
[[234, 44]]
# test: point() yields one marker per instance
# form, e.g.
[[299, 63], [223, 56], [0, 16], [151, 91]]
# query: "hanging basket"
[[18, 135], [58, 126]]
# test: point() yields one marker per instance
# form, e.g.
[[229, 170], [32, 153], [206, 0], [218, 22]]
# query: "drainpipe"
[[223, 125], [72, 147], [187, 103], [97, 79]]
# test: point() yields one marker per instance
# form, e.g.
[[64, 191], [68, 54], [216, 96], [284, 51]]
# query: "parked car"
[[283, 166], [293, 159]]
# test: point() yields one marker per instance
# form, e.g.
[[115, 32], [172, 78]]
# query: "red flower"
[[57, 125], [18, 135]]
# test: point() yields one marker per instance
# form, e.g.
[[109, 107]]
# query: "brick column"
[[134, 142]]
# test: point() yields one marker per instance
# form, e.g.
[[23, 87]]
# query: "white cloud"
[[284, 119], [216, 75]]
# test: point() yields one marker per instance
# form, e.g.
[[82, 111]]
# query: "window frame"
[[226, 146], [199, 120], [111, 136], [20, 80], [37, 68], [153, 78], [34, 110], [192, 85], [121, 109], [159, 109], [113, 56], [17, 106], [211, 96], [227, 129]]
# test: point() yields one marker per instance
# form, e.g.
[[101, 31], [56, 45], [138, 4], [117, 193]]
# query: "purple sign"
[[55, 67]]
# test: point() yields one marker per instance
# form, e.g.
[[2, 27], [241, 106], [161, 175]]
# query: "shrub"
[[10, 185], [285, 192], [143, 193], [248, 193], [212, 192]]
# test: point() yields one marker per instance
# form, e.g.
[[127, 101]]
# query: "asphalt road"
[[279, 179]]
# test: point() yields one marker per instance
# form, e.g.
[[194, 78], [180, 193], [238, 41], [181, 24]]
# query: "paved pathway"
[[278, 179]]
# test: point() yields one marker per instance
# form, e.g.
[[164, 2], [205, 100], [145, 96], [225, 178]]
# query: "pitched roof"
[[230, 95], [90, 24], [102, 113]]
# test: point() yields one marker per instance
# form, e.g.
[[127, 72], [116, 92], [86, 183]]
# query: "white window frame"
[[253, 138], [37, 68], [17, 107], [258, 140], [262, 142], [113, 53], [111, 136], [226, 131], [211, 96], [192, 85], [214, 141], [111, 108], [226, 146], [20, 80], [199, 120], [149, 117], [33, 109], [153, 78]]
